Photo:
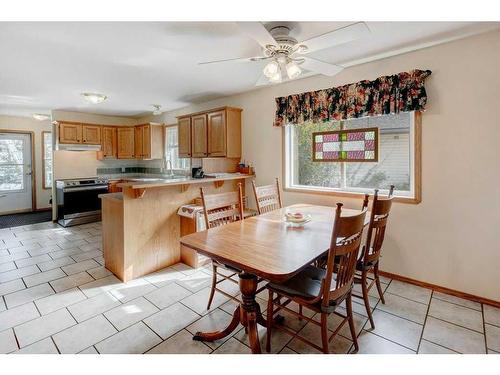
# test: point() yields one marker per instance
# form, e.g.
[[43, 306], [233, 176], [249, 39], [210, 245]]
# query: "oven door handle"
[[71, 190]]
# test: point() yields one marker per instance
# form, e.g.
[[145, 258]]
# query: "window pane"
[[11, 151], [11, 177], [47, 156], [172, 150], [305, 171], [393, 167]]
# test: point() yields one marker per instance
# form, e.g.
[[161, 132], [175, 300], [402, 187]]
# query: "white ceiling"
[[46, 66]]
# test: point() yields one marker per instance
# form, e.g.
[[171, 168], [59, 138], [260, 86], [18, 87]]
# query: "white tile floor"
[[56, 297]]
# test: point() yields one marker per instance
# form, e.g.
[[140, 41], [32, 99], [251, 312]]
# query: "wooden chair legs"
[[366, 299], [377, 281], [269, 320], [324, 333], [348, 304], [214, 283]]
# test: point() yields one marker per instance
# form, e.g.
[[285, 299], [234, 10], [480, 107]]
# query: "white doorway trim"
[[33, 165]]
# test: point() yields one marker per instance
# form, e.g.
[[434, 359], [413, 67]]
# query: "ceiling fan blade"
[[258, 32], [321, 67], [336, 37], [236, 60]]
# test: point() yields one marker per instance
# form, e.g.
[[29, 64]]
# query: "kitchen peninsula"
[[141, 228]]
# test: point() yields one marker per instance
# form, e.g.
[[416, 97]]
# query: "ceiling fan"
[[287, 57]]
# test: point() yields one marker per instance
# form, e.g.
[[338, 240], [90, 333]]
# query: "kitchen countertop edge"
[[157, 184]]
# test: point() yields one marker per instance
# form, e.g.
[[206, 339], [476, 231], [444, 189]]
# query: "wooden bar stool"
[[323, 290], [221, 209], [370, 254]]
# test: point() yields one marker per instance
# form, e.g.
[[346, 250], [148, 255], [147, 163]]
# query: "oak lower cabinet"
[[70, 132], [214, 133], [125, 141], [199, 146], [149, 143], [108, 141], [91, 134]]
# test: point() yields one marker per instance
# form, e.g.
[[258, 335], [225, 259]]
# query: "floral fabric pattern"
[[402, 92]]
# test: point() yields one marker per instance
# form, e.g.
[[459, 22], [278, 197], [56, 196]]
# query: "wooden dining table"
[[266, 247]]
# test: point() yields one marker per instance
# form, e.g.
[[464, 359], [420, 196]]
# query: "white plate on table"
[[297, 223]]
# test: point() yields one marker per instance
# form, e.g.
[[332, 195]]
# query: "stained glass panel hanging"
[[355, 145]]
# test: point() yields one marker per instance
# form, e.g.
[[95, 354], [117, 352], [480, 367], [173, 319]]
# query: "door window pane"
[[11, 164], [11, 177], [11, 151]]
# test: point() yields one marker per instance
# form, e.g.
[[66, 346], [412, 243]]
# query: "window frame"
[[188, 169], [44, 186], [416, 160]]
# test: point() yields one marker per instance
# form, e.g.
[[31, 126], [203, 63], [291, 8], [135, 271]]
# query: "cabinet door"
[[70, 133], [91, 134], [146, 142], [199, 136], [138, 141], [125, 143], [109, 141], [217, 133], [184, 134]]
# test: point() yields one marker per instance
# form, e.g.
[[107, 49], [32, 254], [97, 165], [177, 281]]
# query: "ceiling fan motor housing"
[[285, 44]]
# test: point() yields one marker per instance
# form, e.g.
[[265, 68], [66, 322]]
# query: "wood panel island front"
[[140, 225]]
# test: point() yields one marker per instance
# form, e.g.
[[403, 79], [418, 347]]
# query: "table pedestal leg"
[[248, 314]]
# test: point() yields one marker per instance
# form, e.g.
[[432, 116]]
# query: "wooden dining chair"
[[322, 290], [370, 254], [268, 197], [221, 209]]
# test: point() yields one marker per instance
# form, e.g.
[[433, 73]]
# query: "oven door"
[[82, 201]]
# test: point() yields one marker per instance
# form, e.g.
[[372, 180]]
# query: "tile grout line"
[[484, 329], [457, 325], [425, 321]]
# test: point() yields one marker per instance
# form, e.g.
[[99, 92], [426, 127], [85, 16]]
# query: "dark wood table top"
[[266, 245]]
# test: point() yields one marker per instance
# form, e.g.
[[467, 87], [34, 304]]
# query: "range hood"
[[78, 147]]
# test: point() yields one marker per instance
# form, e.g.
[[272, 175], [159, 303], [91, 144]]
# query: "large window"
[[172, 149], [47, 159], [396, 162]]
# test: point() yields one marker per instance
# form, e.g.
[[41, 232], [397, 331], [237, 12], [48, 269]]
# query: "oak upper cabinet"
[[91, 134], [184, 136], [138, 141], [70, 132], [109, 143], [199, 145], [125, 140], [224, 132], [214, 133], [149, 141], [217, 133]]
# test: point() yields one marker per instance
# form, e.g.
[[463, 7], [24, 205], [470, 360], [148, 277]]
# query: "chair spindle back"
[[268, 198], [223, 208]]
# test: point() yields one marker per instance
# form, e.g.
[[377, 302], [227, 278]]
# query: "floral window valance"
[[402, 92]]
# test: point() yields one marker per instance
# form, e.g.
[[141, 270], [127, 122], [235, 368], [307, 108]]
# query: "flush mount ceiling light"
[[156, 110], [40, 116], [94, 98]]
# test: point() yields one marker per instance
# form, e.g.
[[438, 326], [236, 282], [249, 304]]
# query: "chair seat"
[[306, 284]]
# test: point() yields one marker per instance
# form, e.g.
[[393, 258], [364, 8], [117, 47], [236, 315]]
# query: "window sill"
[[408, 200]]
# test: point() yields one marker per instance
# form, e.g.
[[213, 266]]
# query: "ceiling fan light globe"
[[271, 69], [275, 78], [293, 70]]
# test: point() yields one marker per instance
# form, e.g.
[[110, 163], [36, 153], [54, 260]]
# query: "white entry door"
[[15, 172]]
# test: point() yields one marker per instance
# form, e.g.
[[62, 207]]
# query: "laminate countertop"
[[148, 183]]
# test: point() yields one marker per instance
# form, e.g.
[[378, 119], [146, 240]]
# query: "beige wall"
[[450, 239], [29, 124]]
